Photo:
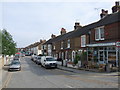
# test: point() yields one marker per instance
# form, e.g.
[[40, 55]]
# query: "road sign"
[[118, 44]]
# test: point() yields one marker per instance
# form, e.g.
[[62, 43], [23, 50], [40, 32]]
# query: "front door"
[[101, 57]]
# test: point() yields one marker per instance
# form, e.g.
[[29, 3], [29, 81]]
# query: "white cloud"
[[29, 22], [56, 0]]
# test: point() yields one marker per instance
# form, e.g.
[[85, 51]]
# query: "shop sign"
[[101, 44]]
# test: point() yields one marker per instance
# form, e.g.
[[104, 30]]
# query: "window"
[[99, 33], [102, 33], [62, 45], [44, 46], [83, 40], [54, 47], [68, 45], [49, 47]]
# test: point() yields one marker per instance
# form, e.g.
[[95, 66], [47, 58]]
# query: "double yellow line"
[[8, 78]]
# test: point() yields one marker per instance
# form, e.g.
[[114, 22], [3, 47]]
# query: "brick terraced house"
[[100, 40]]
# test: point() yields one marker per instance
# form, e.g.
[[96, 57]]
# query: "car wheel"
[[41, 65], [20, 69]]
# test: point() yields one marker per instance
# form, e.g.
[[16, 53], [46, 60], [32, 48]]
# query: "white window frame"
[[68, 43], [62, 45], [83, 41], [99, 35], [54, 47], [45, 47], [49, 47]]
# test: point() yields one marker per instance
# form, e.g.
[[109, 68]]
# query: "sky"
[[28, 22]]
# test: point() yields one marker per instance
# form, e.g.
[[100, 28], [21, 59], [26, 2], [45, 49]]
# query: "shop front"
[[103, 54]]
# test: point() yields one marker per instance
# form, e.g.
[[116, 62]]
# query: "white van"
[[48, 62]]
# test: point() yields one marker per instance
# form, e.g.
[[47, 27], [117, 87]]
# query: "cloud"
[[30, 22]]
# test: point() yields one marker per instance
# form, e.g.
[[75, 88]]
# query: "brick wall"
[[112, 33]]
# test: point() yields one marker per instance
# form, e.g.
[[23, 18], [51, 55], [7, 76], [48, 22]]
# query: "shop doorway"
[[102, 56]]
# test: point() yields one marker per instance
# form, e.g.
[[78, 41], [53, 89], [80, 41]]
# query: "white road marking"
[[68, 86]]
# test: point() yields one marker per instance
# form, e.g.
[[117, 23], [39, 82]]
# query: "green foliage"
[[8, 45], [84, 56], [77, 58]]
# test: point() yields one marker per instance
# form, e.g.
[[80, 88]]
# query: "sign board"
[[101, 44]]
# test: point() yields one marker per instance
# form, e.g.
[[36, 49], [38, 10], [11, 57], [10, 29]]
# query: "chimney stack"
[[63, 31], [104, 13], [77, 25], [53, 36], [116, 8], [41, 40]]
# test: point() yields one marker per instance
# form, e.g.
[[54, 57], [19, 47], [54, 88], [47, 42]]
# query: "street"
[[35, 76]]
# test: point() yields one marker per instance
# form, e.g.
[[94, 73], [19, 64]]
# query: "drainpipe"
[[117, 56]]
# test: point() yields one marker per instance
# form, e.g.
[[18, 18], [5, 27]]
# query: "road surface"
[[35, 76]]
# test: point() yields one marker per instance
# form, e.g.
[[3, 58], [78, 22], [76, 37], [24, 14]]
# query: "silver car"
[[15, 65], [38, 61]]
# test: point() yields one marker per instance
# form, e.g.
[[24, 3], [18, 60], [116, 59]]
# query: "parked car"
[[33, 56], [16, 58], [38, 61], [15, 65], [48, 62], [22, 55]]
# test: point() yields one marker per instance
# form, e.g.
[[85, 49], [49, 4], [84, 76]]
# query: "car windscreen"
[[16, 58], [50, 59], [15, 63], [39, 57]]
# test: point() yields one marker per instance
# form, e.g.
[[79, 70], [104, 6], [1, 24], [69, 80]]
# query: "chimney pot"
[[77, 25], [117, 3], [63, 31], [116, 7], [104, 13], [53, 36]]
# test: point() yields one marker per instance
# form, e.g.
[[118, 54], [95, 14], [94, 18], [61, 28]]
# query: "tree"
[[8, 44]]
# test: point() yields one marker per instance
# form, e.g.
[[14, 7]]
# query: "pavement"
[[74, 70], [4, 76]]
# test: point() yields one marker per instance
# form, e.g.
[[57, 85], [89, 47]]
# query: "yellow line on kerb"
[[7, 80]]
